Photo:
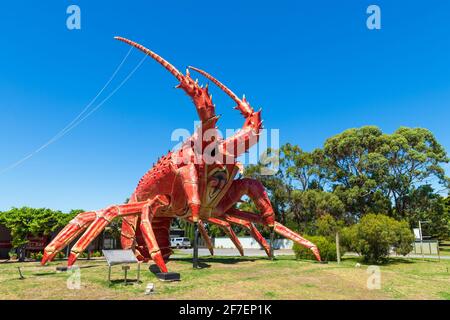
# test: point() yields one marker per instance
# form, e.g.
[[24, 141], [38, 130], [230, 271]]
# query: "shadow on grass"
[[223, 260], [116, 282], [388, 262], [43, 274]]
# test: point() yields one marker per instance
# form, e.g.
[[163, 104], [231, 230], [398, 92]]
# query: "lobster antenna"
[[158, 58], [219, 84]]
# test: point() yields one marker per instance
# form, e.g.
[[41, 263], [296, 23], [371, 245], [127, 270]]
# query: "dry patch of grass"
[[234, 278]]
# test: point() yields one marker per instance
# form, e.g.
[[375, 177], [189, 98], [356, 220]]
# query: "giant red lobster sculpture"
[[196, 183]]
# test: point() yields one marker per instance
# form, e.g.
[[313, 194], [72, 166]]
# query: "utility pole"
[[272, 239]]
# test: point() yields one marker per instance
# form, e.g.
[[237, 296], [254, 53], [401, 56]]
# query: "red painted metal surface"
[[196, 183]]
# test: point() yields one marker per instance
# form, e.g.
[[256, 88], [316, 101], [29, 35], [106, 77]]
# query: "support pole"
[[338, 252], [20, 273], [439, 254], [421, 240], [139, 272], [125, 268], [272, 238], [195, 253]]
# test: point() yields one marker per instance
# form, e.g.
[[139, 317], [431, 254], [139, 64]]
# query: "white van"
[[180, 243]]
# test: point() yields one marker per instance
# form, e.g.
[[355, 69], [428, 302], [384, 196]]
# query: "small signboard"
[[115, 257], [36, 243]]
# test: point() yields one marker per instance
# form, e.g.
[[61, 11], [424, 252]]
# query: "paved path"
[[261, 253], [415, 256], [234, 252]]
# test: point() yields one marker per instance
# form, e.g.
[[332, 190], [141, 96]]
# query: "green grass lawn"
[[234, 278], [444, 248]]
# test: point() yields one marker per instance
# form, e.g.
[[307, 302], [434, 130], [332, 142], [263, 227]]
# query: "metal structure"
[[429, 242], [197, 183], [124, 258]]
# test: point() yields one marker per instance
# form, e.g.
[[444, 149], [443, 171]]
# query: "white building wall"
[[250, 243]]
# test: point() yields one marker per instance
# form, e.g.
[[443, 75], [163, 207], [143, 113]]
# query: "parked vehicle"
[[180, 243]]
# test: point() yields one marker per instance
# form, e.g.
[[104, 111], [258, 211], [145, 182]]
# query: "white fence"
[[250, 243]]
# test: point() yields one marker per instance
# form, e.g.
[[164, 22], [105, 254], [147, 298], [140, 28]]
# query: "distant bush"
[[96, 254], [36, 256], [375, 235], [60, 255], [12, 254], [326, 248]]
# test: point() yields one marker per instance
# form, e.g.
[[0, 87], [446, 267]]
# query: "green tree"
[[426, 205], [307, 206], [26, 221], [357, 169], [327, 226], [304, 170], [415, 159], [382, 173]]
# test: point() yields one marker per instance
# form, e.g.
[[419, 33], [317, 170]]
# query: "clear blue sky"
[[313, 67]]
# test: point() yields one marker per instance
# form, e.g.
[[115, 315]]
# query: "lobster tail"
[[174, 71]]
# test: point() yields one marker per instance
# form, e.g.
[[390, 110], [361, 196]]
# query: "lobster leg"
[[148, 213], [278, 228], [226, 227], [205, 236], [102, 219], [256, 192], [251, 228], [288, 233], [68, 234], [204, 233], [128, 232]]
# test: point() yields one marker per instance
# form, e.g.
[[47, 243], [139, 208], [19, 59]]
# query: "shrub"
[[12, 254], [96, 254], [36, 255], [405, 238], [375, 235], [326, 248], [60, 255]]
